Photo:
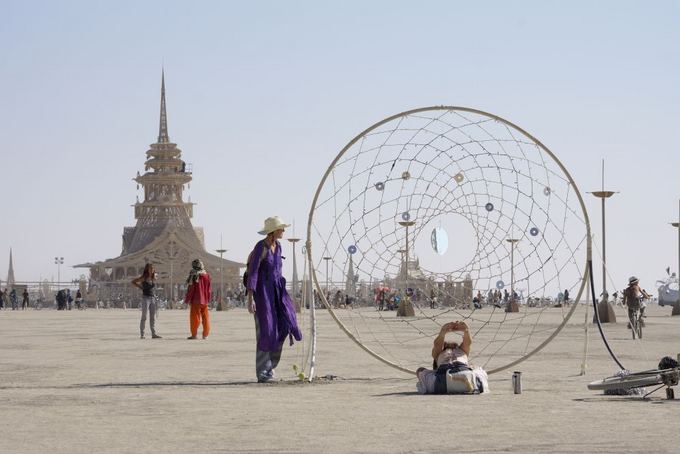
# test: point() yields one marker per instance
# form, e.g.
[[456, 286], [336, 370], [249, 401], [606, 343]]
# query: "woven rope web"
[[469, 182]]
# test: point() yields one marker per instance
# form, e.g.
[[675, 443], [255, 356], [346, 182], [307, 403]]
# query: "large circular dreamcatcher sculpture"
[[444, 213]]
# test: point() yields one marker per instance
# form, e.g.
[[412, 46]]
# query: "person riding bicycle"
[[633, 297]]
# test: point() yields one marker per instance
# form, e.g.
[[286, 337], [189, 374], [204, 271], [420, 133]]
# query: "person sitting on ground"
[[477, 300], [633, 297], [451, 370], [396, 300], [348, 301]]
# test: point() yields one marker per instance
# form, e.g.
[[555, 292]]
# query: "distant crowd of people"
[[65, 300], [9, 298]]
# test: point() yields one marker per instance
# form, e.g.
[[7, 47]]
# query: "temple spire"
[[163, 127], [10, 271]]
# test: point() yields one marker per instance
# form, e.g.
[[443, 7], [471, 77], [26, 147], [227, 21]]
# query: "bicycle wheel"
[[639, 326], [627, 381], [633, 326]]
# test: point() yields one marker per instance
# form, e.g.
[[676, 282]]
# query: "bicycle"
[[636, 314], [635, 321], [662, 377]]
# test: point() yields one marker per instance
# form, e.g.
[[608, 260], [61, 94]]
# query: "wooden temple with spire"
[[163, 234], [11, 281]]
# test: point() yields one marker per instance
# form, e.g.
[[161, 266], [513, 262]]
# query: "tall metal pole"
[[407, 224], [512, 304], [512, 268], [405, 308], [58, 261], [172, 269], [221, 251], [604, 251], [676, 306], [401, 265], [295, 273], [327, 259], [605, 315]]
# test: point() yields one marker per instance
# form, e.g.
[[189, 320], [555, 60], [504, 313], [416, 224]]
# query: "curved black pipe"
[[597, 315]]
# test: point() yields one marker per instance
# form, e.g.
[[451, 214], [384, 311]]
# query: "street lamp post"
[[327, 259], [604, 309], [401, 264], [405, 308], [676, 306], [512, 305], [171, 254], [221, 251], [172, 284], [294, 287], [58, 261]]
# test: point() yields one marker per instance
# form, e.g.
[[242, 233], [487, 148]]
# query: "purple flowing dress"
[[273, 306]]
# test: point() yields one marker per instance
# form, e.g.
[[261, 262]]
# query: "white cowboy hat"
[[273, 224]]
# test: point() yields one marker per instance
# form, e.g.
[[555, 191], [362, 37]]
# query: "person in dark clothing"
[[147, 284], [79, 300], [61, 300], [13, 299]]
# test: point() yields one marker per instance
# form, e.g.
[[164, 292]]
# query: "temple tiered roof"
[[163, 234]]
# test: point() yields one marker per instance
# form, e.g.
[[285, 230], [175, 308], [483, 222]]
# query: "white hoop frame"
[[584, 279]]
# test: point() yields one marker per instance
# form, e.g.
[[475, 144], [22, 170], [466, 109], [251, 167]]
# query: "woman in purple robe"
[[269, 301]]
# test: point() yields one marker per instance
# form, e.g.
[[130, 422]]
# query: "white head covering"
[[273, 224], [197, 268]]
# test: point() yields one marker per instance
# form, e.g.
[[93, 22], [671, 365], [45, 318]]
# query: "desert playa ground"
[[83, 382]]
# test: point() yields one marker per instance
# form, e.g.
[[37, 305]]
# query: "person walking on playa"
[[147, 283], [14, 300], [24, 301], [269, 301], [79, 300], [198, 296]]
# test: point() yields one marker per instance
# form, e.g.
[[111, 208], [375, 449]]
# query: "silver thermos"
[[517, 382]]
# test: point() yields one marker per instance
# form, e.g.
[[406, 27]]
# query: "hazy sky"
[[262, 95]]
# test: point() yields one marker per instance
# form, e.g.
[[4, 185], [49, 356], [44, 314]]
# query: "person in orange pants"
[[198, 296]]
